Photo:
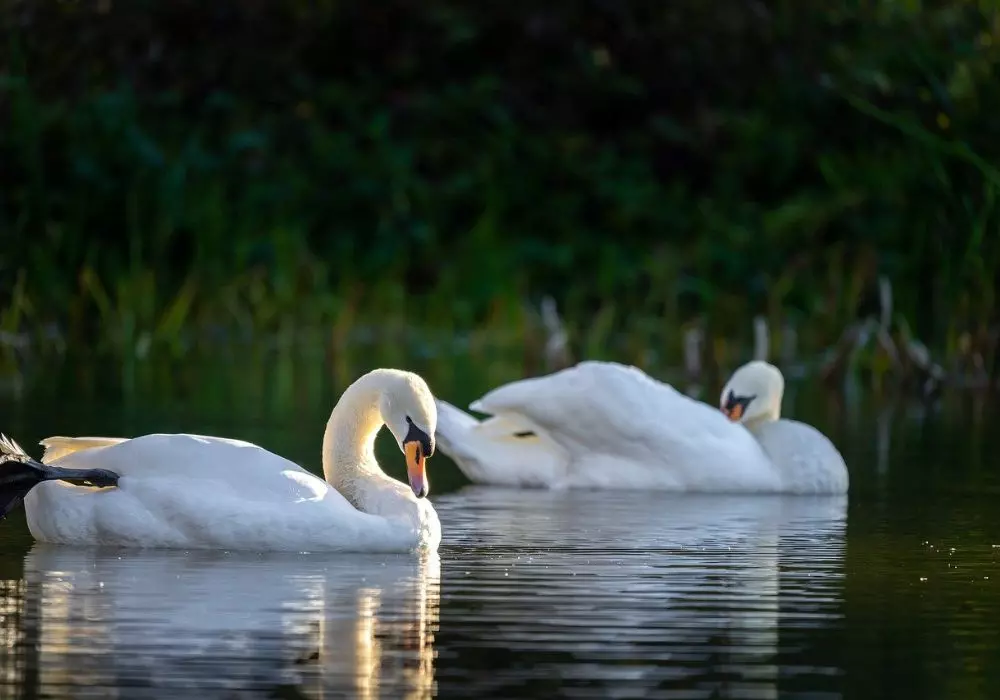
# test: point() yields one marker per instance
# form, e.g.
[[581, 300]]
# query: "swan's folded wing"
[[594, 402], [59, 446], [617, 420]]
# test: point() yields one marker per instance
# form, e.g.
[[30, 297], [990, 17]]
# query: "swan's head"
[[408, 409], [753, 393]]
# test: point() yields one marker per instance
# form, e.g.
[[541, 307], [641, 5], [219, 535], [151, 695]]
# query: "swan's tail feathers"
[[452, 424], [10, 450], [456, 437], [58, 446], [506, 450], [19, 473]]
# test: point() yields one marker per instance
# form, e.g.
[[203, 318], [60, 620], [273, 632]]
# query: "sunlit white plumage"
[[194, 491], [606, 425]]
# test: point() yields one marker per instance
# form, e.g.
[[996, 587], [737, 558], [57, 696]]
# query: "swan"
[[194, 491], [611, 426]]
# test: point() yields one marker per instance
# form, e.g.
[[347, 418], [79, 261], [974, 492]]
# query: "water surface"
[[890, 593]]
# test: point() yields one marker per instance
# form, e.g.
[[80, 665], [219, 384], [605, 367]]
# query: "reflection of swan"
[[605, 425], [154, 623], [636, 593], [191, 491]]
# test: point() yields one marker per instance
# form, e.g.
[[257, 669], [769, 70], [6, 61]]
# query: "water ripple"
[[533, 594], [632, 595]]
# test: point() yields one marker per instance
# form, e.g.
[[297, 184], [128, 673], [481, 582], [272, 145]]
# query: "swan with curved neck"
[[399, 400], [183, 490]]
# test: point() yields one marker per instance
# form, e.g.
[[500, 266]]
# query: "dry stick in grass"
[[761, 339], [557, 355]]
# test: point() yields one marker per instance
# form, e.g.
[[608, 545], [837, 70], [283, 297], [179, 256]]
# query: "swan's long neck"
[[349, 440], [769, 414]]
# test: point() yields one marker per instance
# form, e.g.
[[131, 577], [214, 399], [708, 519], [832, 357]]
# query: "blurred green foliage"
[[252, 165]]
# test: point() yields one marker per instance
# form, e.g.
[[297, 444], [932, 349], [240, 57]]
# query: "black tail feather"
[[16, 479], [19, 473]]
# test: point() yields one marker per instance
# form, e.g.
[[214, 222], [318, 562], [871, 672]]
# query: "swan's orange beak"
[[415, 468], [734, 413]]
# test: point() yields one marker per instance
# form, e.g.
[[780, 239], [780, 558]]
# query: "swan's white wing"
[[604, 396], [198, 491], [622, 428], [808, 461], [184, 456], [59, 446], [504, 450]]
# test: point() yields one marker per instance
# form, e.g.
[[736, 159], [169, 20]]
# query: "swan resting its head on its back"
[[194, 491], [753, 394], [607, 425], [752, 397]]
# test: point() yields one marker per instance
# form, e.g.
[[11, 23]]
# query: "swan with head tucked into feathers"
[[606, 425], [192, 491]]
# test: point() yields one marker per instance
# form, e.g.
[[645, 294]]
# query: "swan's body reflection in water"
[[637, 594], [161, 624], [580, 594]]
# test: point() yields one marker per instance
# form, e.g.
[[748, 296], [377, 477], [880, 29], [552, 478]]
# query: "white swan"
[[192, 491], [606, 425]]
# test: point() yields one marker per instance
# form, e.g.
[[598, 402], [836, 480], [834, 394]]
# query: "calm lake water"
[[892, 593]]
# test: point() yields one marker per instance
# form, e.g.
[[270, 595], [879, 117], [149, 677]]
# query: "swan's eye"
[[415, 434]]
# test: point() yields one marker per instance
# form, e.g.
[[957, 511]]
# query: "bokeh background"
[[172, 167], [675, 185]]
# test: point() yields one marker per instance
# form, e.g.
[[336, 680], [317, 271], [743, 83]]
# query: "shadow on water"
[[893, 592]]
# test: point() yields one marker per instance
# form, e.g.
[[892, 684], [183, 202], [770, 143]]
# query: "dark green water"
[[892, 593]]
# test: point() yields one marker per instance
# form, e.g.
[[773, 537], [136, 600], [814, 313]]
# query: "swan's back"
[[624, 428], [186, 458], [808, 462]]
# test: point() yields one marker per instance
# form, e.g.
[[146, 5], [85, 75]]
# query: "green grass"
[[450, 185]]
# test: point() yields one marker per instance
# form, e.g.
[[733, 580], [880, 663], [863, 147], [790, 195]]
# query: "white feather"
[[606, 425]]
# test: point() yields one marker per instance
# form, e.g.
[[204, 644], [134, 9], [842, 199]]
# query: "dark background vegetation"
[[180, 167]]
